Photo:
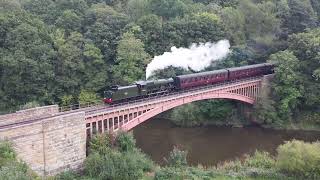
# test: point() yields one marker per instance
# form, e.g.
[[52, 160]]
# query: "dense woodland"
[[69, 51]]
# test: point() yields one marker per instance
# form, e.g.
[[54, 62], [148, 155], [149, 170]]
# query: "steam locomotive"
[[143, 89]]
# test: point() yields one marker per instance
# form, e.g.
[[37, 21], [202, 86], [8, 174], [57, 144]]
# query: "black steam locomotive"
[[143, 89]]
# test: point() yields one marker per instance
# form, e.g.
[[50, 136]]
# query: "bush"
[[125, 142], [105, 162], [100, 143], [177, 158], [299, 159], [7, 154], [114, 165], [260, 160], [16, 171]]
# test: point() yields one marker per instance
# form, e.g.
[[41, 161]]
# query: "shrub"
[[113, 165], [125, 142], [16, 171], [106, 162], [260, 160], [299, 159], [177, 158], [7, 154], [100, 143]]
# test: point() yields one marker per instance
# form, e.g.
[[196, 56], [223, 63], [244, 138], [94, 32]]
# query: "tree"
[[104, 27], [168, 8], [69, 21], [26, 54], [305, 47], [287, 84], [301, 16], [234, 23], [152, 34], [131, 60], [137, 8], [201, 27]]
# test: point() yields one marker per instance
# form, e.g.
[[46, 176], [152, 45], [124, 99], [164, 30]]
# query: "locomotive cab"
[[107, 96]]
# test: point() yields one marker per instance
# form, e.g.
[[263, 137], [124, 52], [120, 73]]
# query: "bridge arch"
[[163, 107]]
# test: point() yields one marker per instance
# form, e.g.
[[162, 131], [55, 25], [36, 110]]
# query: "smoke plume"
[[197, 57]]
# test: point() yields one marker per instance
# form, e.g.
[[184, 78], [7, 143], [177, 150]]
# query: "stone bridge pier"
[[49, 142]]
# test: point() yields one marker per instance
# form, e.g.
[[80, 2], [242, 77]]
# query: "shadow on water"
[[211, 145]]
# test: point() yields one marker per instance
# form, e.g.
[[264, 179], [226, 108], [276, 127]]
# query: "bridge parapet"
[[32, 113]]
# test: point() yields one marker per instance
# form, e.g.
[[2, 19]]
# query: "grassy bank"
[[119, 159]]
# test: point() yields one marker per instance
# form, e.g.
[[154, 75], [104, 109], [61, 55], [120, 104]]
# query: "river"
[[211, 145]]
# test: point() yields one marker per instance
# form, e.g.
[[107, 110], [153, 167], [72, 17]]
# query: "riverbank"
[[211, 145], [119, 158]]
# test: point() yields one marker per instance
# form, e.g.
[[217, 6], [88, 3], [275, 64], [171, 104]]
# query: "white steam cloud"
[[197, 57]]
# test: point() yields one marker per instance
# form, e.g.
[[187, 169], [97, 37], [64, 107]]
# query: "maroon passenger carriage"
[[200, 79], [230, 74]]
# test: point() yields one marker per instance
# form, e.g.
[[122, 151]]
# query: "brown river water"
[[211, 145]]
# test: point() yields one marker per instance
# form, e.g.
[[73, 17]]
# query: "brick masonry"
[[51, 144]]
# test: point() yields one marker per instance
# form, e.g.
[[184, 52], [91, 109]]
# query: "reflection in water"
[[211, 145]]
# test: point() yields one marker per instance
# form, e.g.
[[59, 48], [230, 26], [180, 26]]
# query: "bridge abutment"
[[48, 142]]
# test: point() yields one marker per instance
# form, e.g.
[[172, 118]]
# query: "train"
[[142, 89]]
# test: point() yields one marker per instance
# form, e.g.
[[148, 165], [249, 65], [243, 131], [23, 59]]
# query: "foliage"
[[177, 158], [88, 97], [105, 162], [16, 171], [260, 160], [217, 112], [125, 142], [7, 154], [300, 159], [130, 55], [287, 83], [10, 168], [100, 144]]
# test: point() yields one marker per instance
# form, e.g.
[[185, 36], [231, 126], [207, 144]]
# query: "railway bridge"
[[50, 139], [128, 115]]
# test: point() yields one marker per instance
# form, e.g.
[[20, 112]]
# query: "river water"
[[211, 145]]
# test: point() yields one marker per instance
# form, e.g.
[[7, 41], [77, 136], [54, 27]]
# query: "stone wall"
[[50, 145], [32, 113]]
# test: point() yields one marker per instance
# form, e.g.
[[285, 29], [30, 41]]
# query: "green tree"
[[135, 9], [131, 60], [87, 97], [168, 8], [152, 34], [104, 27], [305, 47], [287, 84], [26, 55], [69, 21], [234, 22], [200, 27]]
